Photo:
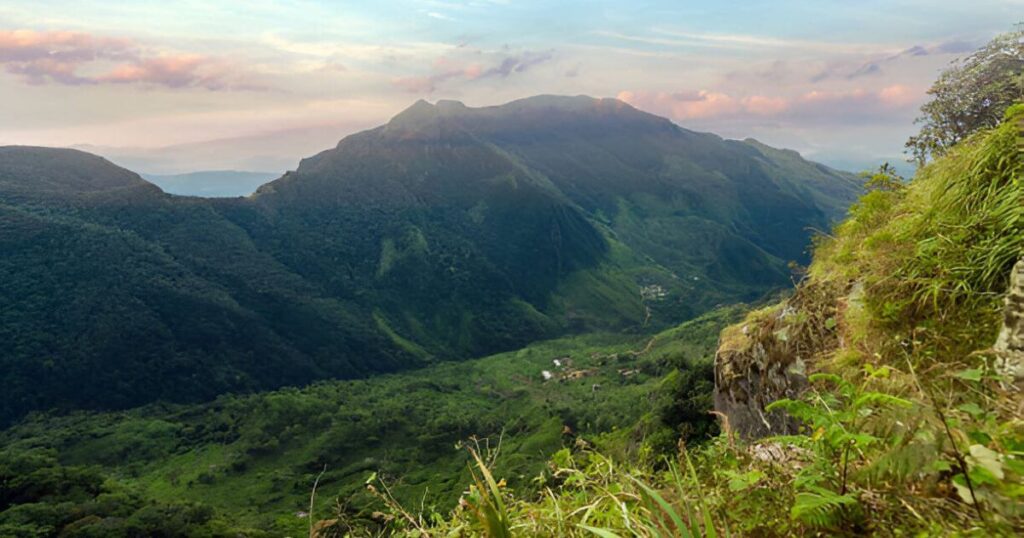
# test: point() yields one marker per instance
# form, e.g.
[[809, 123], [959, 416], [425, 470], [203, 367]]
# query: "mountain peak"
[[418, 111], [423, 112], [540, 113], [450, 105]]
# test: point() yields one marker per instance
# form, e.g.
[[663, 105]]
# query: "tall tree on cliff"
[[973, 93]]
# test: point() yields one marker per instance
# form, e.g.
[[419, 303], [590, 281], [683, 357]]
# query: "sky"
[[175, 86]]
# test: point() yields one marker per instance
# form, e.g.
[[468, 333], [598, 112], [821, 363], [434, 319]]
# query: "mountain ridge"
[[448, 232]]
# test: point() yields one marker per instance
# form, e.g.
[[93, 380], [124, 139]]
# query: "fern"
[[820, 507]]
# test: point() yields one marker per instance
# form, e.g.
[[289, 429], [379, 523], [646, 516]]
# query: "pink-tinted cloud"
[[27, 45], [809, 106], [855, 104], [39, 57], [898, 95], [443, 69], [765, 106], [174, 71], [71, 58], [703, 104]]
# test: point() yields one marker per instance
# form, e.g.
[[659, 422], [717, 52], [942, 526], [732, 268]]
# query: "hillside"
[[883, 398], [567, 204], [116, 294], [448, 233]]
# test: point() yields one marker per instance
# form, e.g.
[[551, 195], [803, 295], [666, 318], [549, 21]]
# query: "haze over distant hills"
[[212, 183], [280, 150], [447, 233], [276, 150]]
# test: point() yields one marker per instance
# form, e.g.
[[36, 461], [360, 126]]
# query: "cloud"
[[702, 104], [761, 105], [39, 57], [174, 71], [865, 70], [737, 42], [850, 70], [518, 64], [73, 58], [808, 107], [445, 69], [417, 84]]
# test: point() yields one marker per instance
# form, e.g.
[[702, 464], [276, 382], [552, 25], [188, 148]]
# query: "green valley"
[[253, 460]]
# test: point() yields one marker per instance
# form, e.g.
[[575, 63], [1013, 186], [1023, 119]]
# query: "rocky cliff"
[[1010, 345], [923, 282], [767, 357]]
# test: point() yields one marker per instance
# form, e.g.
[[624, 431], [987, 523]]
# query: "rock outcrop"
[[766, 357], [1009, 346], [752, 369]]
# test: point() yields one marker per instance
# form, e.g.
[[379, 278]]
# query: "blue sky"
[[834, 80]]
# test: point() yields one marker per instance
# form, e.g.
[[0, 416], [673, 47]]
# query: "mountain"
[[212, 183], [447, 233], [45, 174], [116, 294]]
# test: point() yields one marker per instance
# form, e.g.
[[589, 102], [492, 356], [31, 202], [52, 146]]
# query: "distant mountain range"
[[276, 150], [447, 233], [212, 183]]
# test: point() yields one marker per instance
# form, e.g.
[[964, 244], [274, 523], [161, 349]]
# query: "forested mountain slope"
[[447, 233]]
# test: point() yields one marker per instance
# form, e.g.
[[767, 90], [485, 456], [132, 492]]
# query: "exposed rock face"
[[750, 373], [1010, 345], [766, 358]]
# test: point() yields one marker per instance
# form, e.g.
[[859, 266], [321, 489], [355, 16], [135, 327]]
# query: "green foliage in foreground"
[[253, 459]]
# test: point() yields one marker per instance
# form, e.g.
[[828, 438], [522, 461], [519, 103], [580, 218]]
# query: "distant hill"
[[447, 233], [47, 174], [212, 183]]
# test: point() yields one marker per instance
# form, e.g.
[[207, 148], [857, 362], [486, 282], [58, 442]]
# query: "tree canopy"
[[973, 93]]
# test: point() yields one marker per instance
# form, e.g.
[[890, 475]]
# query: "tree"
[[884, 178], [971, 94]]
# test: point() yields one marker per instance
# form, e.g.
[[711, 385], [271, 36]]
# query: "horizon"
[[244, 86]]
